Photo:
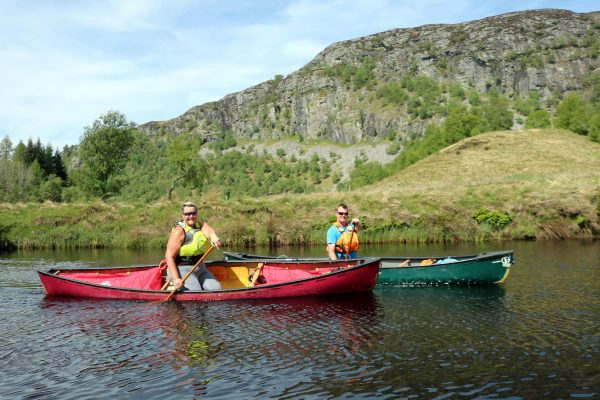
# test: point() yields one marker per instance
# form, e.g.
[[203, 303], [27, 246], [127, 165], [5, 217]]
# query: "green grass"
[[547, 181]]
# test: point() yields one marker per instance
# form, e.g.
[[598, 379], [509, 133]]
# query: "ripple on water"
[[535, 335]]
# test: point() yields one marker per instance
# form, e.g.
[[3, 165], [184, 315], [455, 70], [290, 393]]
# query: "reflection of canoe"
[[275, 279], [482, 268]]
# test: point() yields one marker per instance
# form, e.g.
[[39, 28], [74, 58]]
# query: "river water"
[[538, 335]]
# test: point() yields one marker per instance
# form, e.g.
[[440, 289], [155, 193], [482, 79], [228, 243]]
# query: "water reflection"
[[196, 345], [267, 339], [89, 342], [538, 333]]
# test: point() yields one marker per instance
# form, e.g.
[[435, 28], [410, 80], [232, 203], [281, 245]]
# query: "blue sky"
[[65, 63]]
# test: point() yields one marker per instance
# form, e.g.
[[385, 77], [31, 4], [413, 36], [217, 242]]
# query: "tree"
[[182, 154], [58, 166], [20, 153], [495, 115], [594, 127], [6, 148], [571, 114], [366, 174], [458, 124], [103, 153], [595, 80], [35, 177], [538, 119], [51, 189], [6, 167]]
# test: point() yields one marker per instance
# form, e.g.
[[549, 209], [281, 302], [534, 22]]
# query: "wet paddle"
[[190, 272]]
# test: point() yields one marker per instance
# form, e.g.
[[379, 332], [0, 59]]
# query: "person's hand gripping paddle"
[[170, 296]]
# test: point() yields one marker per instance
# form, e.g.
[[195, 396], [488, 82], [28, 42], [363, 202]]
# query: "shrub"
[[393, 93], [393, 148], [51, 189], [594, 127], [572, 114], [538, 119], [457, 91], [581, 221], [495, 219], [72, 194], [366, 173], [529, 104]]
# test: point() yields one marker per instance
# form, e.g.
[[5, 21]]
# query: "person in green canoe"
[[342, 240], [188, 241]]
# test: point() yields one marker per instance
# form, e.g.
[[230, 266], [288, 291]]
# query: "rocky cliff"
[[335, 96]]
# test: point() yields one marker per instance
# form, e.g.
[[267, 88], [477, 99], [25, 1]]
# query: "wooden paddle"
[[190, 272], [166, 285], [256, 274]]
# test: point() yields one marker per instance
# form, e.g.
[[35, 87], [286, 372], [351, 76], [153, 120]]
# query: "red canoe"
[[276, 279]]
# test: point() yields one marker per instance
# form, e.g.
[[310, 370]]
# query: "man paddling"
[[342, 241]]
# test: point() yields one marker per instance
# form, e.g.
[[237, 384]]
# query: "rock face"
[[549, 51]]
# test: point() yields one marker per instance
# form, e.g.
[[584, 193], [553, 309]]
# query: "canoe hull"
[[358, 277], [478, 269], [481, 269]]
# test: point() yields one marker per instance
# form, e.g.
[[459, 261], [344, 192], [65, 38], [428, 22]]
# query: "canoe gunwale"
[[475, 269], [481, 257], [158, 293]]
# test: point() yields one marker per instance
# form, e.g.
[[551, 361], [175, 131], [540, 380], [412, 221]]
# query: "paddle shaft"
[[350, 244], [190, 272], [256, 273], [166, 285]]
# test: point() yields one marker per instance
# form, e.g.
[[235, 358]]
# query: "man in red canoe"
[[342, 241], [188, 241]]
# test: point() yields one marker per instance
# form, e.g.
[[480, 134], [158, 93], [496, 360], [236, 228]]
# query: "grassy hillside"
[[526, 184], [547, 181]]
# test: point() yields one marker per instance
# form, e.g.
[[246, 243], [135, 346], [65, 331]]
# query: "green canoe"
[[477, 269]]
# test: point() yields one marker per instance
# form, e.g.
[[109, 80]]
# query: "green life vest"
[[194, 244]]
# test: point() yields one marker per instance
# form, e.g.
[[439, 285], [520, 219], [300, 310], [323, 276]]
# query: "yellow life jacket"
[[348, 240], [194, 244]]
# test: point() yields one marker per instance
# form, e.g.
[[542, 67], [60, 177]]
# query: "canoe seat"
[[230, 277]]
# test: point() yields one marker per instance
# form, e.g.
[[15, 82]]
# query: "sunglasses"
[[342, 213], [190, 214]]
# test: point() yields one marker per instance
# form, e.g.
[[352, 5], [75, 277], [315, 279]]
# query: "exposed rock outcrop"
[[550, 51]]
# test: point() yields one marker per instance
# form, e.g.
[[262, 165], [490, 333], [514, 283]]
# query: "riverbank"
[[524, 185]]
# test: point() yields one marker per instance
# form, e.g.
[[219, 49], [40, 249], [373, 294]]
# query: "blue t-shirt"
[[333, 234]]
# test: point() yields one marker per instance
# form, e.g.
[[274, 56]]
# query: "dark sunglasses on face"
[[189, 214], [342, 213]]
